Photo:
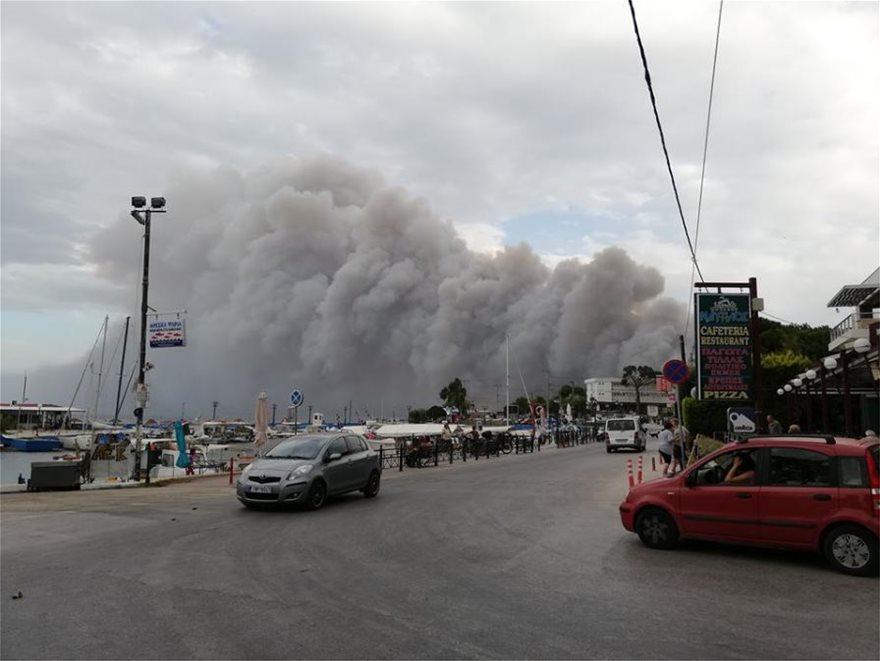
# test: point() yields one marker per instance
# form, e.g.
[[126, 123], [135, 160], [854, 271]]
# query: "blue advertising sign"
[[724, 346]]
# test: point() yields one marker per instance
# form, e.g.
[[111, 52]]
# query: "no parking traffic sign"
[[675, 371], [296, 398]]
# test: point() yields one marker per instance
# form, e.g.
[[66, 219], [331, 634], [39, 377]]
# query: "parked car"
[[628, 432], [307, 469], [800, 492]]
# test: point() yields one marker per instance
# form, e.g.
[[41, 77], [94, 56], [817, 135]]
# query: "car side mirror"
[[334, 456]]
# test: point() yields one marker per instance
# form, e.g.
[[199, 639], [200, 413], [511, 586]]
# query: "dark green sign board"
[[724, 346]]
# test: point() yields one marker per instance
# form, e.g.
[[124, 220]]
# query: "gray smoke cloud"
[[316, 274]]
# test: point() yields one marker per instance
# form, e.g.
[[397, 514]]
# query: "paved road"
[[520, 557]]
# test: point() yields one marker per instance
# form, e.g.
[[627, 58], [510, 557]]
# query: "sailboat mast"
[[507, 382], [121, 370], [101, 366]]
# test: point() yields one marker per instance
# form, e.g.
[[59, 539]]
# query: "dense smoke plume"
[[316, 274]]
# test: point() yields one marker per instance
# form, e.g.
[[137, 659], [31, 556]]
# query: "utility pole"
[[274, 406], [157, 205], [214, 410]]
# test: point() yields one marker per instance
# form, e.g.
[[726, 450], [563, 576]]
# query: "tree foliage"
[[455, 395]]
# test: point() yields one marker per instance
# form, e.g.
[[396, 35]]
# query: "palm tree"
[[638, 377]]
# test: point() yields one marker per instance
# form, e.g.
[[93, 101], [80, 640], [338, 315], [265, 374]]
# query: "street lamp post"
[[829, 364], [142, 215], [797, 383], [788, 401], [847, 407]]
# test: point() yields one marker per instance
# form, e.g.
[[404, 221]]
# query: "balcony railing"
[[857, 320]]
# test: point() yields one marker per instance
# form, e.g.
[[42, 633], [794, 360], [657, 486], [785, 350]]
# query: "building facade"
[[610, 391]]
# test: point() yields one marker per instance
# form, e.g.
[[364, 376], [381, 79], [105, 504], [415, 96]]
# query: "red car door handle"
[[743, 494], [821, 496]]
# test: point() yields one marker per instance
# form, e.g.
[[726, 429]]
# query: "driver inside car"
[[742, 469]]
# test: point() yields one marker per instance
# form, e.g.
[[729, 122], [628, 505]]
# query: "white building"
[[609, 390]]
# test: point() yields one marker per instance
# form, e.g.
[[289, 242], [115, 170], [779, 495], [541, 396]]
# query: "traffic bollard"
[[639, 477], [629, 472]]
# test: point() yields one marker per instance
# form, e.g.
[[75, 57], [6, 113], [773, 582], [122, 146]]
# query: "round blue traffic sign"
[[675, 370], [296, 398]]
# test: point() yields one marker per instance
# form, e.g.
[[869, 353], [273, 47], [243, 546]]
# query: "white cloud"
[[488, 111]]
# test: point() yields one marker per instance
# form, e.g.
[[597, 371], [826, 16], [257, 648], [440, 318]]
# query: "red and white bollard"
[[629, 472], [639, 477]]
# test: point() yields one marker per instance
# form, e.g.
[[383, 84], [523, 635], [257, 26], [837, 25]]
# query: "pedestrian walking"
[[665, 449], [679, 446], [190, 470], [773, 425]]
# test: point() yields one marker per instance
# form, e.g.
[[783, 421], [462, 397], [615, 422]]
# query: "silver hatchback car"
[[306, 469]]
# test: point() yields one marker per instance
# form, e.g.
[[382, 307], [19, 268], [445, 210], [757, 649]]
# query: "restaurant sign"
[[171, 333], [724, 346]]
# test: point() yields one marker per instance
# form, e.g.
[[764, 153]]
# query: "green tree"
[[637, 377], [417, 416], [455, 395], [436, 413]]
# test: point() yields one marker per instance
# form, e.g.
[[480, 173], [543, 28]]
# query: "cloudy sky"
[[505, 123]]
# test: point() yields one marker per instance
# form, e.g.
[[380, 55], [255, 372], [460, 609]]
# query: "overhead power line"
[[687, 235], [705, 152]]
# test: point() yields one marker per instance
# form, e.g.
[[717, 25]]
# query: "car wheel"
[[317, 495], [656, 529], [852, 550], [607, 449], [372, 488]]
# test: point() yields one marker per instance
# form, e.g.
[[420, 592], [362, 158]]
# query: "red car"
[[817, 493]]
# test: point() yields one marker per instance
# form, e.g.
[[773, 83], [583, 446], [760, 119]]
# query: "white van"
[[625, 433]]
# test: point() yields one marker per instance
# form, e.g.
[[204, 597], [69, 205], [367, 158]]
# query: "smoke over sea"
[[317, 274]]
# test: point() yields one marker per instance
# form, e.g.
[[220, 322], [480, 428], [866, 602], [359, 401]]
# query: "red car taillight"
[[873, 478]]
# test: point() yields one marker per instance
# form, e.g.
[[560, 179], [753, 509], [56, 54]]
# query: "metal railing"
[[411, 453], [857, 320]]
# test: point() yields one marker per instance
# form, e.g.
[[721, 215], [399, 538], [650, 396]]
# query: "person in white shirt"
[[679, 446], [665, 449]]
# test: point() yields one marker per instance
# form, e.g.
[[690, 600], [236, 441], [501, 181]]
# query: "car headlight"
[[247, 469], [299, 472]]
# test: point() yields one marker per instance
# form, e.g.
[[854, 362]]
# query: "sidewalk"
[[122, 484]]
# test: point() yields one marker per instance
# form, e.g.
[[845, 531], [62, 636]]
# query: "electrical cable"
[[703, 171], [687, 235], [791, 323]]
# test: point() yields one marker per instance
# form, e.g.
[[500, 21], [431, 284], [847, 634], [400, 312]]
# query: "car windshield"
[[299, 448], [621, 425]]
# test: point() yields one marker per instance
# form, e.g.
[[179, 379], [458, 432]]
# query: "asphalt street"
[[517, 557]]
